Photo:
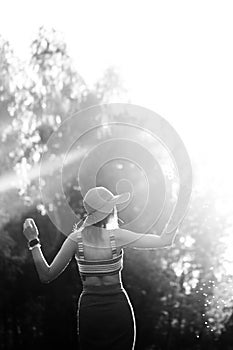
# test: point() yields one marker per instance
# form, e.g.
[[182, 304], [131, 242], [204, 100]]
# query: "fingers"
[[30, 228], [29, 222]]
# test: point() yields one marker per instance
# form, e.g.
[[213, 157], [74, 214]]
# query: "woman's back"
[[97, 245]]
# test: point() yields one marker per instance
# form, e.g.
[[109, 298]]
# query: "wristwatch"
[[34, 242]]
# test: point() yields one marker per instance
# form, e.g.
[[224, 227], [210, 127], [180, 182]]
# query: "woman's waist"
[[103, 289], [104, 283], [98, 281]]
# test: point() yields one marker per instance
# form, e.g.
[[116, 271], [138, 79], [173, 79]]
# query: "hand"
[[174, 230], [30, 230], [170, 236]]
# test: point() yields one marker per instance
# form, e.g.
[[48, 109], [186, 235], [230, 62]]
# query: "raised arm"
[[47, 272], [126, 238]]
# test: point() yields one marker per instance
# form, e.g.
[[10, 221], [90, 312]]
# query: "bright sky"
[[175, 57]]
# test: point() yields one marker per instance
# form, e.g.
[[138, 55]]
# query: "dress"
[[105, 315]]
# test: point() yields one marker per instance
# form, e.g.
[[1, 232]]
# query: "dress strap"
[[113, 245], [80, 245]]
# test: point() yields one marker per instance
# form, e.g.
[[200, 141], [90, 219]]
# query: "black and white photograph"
[[116, 195]]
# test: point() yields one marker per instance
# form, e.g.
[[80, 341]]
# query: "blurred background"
[[174, 58]]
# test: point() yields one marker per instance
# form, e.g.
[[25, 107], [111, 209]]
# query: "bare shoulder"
[[73, 237], [125, 237], [119, 232]]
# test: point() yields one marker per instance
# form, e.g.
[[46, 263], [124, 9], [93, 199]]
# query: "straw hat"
[[99, 203]]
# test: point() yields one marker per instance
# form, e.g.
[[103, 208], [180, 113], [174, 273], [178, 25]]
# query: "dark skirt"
[[105, 319]]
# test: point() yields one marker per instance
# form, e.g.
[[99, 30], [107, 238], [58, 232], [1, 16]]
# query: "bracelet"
[[33, 243], [37, 245]]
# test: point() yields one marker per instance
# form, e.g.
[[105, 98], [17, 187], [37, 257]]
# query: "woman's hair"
[[111, 220]]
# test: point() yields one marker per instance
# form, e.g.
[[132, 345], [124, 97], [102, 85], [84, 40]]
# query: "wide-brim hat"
[[99, 202]]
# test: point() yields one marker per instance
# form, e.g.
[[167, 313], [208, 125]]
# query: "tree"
[[34, 100]]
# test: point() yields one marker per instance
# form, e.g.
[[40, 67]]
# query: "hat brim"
[[122, 198], [101, 214]]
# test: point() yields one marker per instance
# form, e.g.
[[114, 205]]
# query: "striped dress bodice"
[[99, 267]]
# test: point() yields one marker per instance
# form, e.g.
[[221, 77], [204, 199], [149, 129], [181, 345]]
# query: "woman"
[[105, 315]]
